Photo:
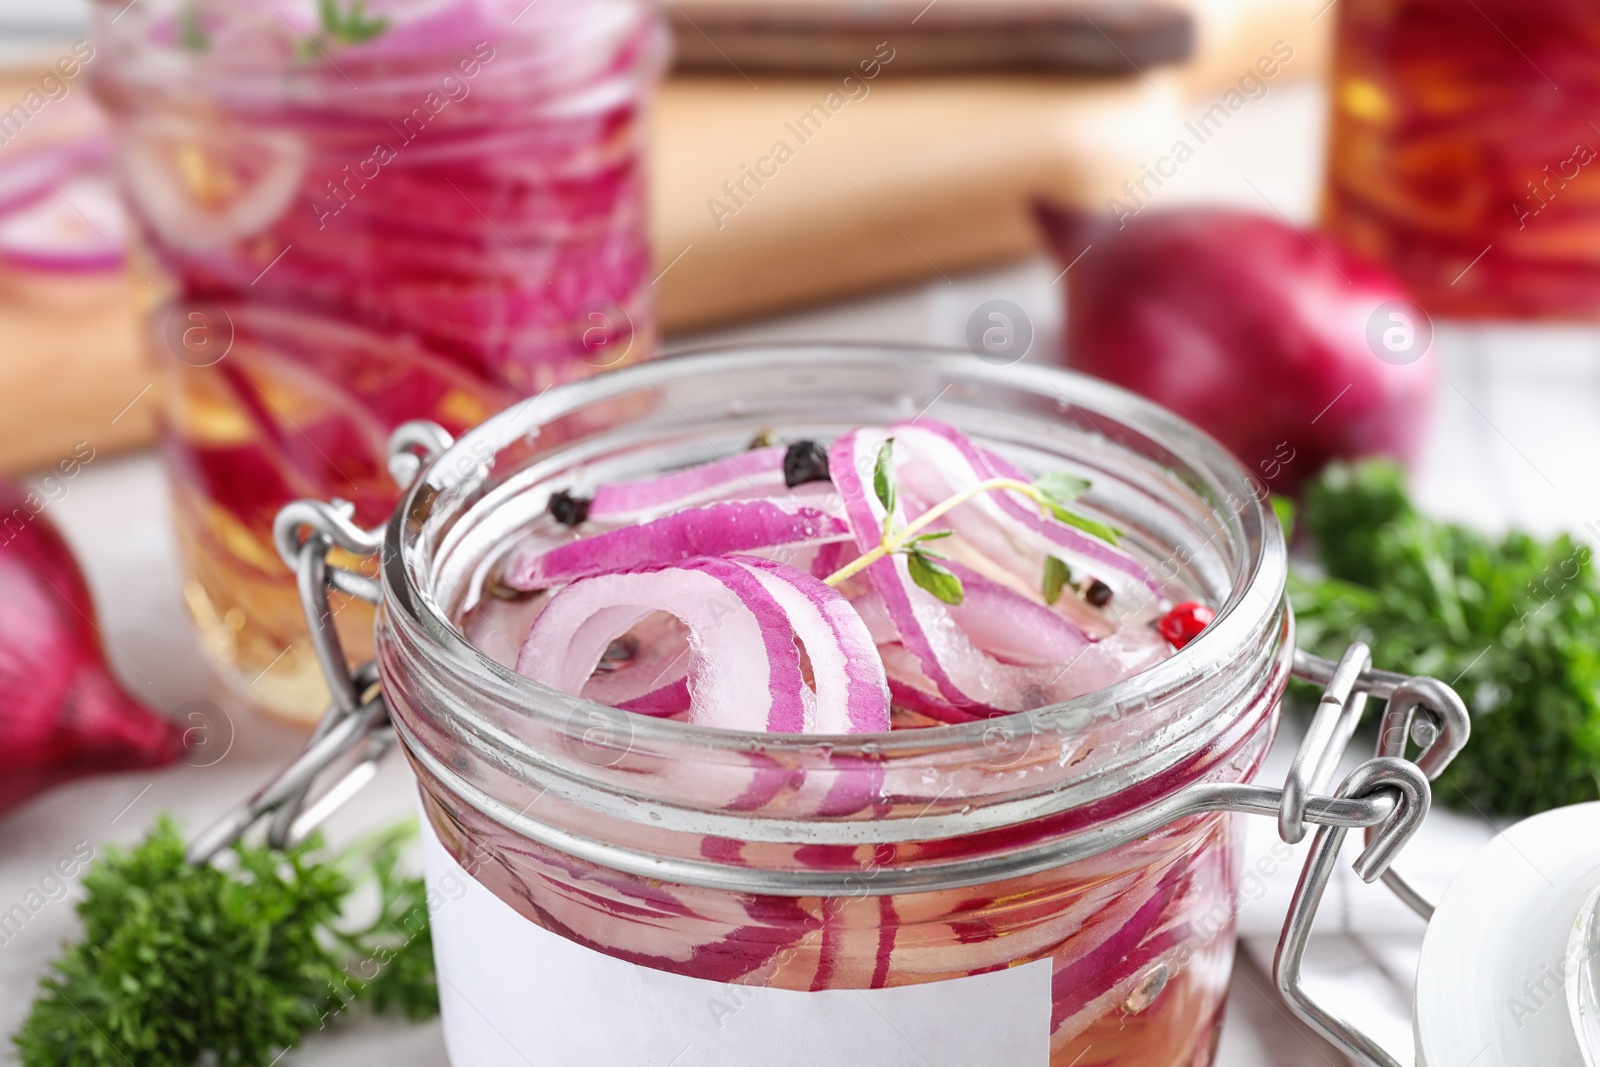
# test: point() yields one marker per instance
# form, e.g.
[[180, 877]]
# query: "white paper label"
[[512, 994]]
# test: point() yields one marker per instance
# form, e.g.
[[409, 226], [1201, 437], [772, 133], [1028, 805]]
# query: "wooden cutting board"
[[919, 178]]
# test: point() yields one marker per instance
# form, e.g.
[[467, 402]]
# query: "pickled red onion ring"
[[757, 469], [852, 692], [999, 620], [28, 177], [669, 700], [654, 678], [743, 615], [831, 557], [940, 461], [714, 530], [1012, 627], [260, 194], [924, 624], [911, 689], [79, 228], [965, 676], [744, 672]]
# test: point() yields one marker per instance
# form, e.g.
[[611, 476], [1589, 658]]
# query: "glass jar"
[[351, 215], [1461, 151], [1030, 847]]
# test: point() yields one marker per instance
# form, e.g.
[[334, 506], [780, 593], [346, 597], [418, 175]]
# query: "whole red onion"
[[1280, 343], [62, 715]]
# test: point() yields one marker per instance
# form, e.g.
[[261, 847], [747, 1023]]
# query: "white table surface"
[[1512, 441]]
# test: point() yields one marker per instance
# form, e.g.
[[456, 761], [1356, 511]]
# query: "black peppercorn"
[[567, 509], [1098, 593], [806, 461]]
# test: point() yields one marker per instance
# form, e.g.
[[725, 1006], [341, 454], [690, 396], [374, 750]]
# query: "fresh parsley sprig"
[[180, 962], [1512, 622]]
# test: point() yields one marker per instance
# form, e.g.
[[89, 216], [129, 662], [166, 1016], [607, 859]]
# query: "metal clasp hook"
[[1421, 710], [1338, 715], [1374, 776], [357, 719]]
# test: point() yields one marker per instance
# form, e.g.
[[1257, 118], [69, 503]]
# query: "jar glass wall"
[[966, 848], [355, 215]]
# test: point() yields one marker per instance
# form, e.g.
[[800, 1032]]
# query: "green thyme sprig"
[[341, 26], [1053, 492], [192, 36], [1057, 576]]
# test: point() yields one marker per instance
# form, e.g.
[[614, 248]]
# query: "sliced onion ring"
[[966, 677], [1001, 621], [743, 616], [654, 680], [29, 176], [714, 530], [77, 228], [760, 470], [852, 692], [1011, 627]]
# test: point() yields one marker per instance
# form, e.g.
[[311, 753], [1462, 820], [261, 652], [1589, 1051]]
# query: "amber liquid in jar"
[[427, 219], [1463, 151]]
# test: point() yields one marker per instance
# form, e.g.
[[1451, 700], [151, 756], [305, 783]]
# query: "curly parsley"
[[179, 962], [1512, 622]]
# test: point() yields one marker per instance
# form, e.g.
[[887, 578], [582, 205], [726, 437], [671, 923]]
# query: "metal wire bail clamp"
[[355, 727]]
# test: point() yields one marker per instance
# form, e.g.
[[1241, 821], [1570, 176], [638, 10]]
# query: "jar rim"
[[1251, 606]]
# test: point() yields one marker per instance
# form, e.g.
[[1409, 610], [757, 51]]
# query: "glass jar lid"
[[1509, 968]]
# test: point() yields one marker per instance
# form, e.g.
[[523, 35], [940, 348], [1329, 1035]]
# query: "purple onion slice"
[[756, 472], [959, 678], [719, 529], [744, 617]]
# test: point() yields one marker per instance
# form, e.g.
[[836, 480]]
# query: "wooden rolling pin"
[[930, 36]]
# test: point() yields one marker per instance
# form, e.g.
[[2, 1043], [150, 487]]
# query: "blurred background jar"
[[1464, 151], [358, 214]]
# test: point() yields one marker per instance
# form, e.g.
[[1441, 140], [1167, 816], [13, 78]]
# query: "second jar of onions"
[[1465, 150], [353, 214]]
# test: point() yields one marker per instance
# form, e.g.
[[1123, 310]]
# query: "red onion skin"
[[62, 714], [1250, 328]]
